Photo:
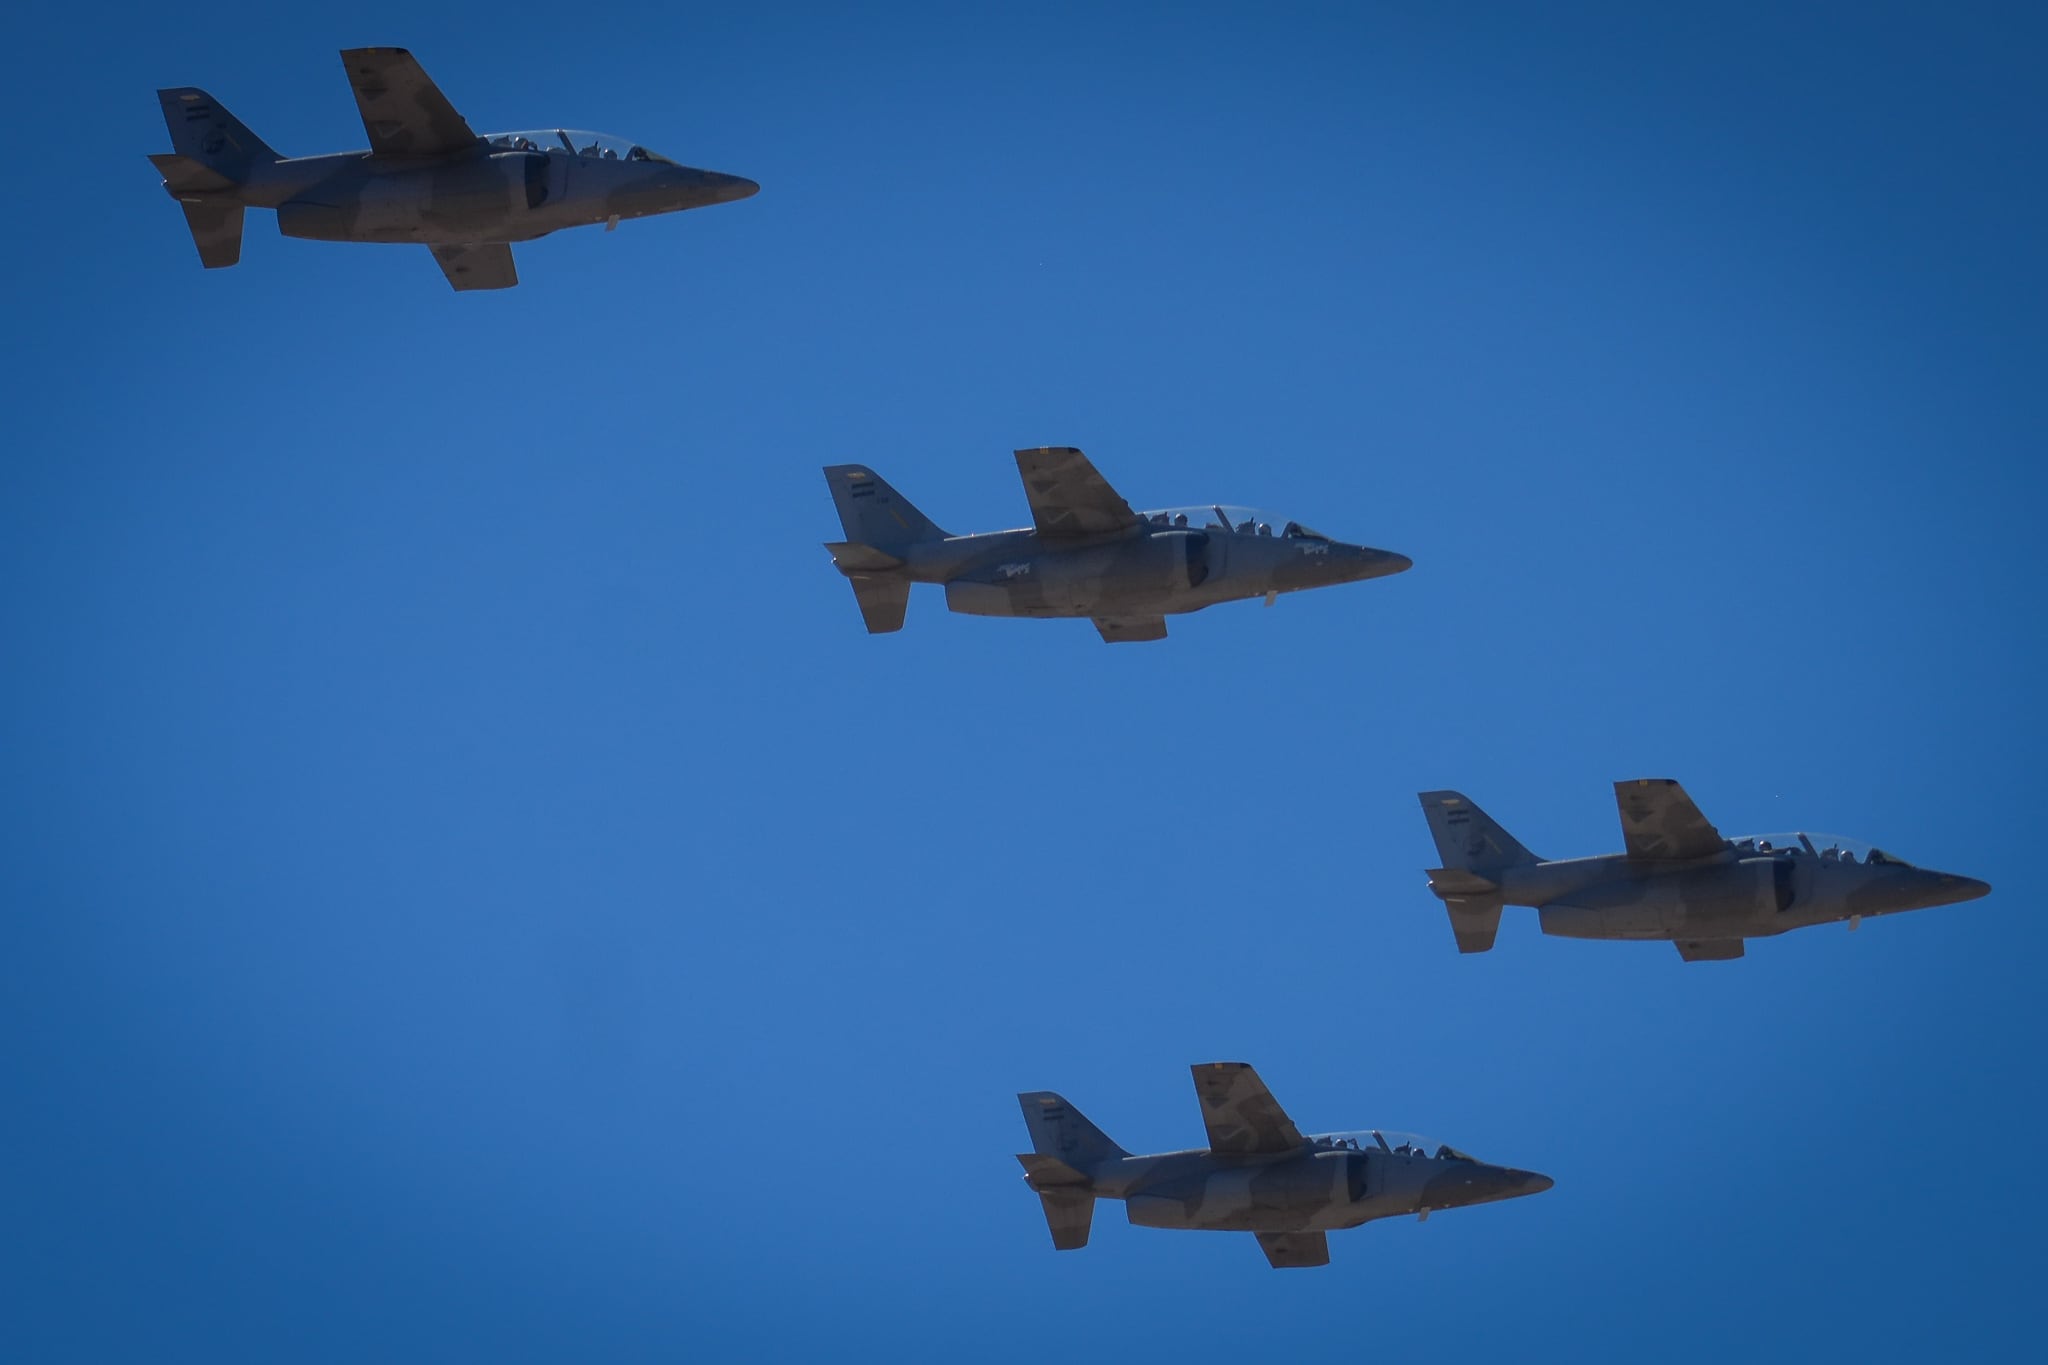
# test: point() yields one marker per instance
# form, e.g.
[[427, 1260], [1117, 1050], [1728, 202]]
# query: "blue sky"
[[473, 891]]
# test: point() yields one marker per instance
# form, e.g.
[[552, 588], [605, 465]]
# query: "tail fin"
[[207, 133], [1067, 1149], [1059, 1130], [880, 524], [214, 154], [1475, 851], [1467, 839], [874, 514]]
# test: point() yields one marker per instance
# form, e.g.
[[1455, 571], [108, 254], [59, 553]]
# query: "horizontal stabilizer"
[[1475, 921], [1474, 904], [1064, 1194], [1453, 883], [184, 176], [1069, 1211], [216, 226], [1042, 1171], [853, 557], [883, 601]]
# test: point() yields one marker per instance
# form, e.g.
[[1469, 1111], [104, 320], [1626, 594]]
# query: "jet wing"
[[1121, 629], [486, 265], [1710, 949], [1287, 1249], [404, 112], [1242, 1116], [1068, 498], [1658, 820]]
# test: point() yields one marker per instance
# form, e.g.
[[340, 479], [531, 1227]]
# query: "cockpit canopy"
[[1830, 848], [1387, 1140], [1247, 521], [576, 142]]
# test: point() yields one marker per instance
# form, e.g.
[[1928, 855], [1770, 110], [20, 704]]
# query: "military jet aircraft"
[[1678, 879], [1259, 1174], [1085, 554], [426, 177]]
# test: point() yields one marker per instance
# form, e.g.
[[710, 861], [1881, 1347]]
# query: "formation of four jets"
[[428, 179]]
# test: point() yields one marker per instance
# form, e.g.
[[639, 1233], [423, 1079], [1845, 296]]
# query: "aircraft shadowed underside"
[[426, 178], [1086, 553], [1259, 1174], [1677, 879]]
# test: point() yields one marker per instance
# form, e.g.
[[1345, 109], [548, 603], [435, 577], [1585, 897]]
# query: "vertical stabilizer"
[[1061, 1131], [874, 514], [207, 133], [1067, 1148], [1475, 851], [1467, 839]]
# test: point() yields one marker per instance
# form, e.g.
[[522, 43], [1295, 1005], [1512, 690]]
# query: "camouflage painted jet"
[[1678, 879], [1085, 554], [1259, 1174], [426, 177]]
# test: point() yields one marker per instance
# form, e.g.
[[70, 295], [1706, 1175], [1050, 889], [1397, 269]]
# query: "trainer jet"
[[1677, 880], [426, 177], [1086, 553], [1259, 1174]]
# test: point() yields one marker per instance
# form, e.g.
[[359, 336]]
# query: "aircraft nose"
[[1954, 889], [724, 189], [1475, 1182], [1381, 563]]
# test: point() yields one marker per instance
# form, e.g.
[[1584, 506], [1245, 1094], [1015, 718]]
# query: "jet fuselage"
[[1316, 1188], [488, 194], [1146, 570], [1731, 895]]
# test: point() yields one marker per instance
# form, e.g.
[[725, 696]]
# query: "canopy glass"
[[1833, 848], [1250, 521], [575, 141], [1388, 1140]]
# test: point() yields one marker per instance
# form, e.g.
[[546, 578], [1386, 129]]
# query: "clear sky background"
[[472, 890]]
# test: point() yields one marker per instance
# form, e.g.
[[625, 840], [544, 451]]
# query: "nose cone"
[[1378, 563], [1952, 889], [720, 188], [1475, 1182]]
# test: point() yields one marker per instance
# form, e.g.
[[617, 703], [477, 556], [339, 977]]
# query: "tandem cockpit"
[[575, 142], [1244, 521], [1828, 848], [1389, 1141]]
